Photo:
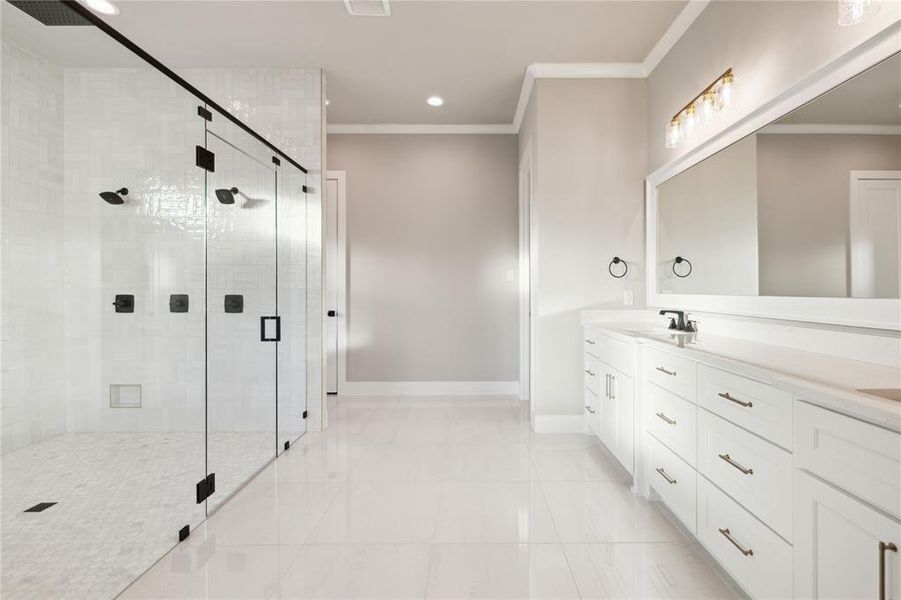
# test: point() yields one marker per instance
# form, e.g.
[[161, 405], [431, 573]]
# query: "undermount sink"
[[659, 331]]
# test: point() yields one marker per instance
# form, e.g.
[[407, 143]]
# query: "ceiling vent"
[[368, 8]]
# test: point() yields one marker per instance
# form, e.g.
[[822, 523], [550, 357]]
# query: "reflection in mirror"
[[809, 206]]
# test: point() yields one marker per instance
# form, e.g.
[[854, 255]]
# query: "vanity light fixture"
[[852, 12], [104, 7], [435, 101], [713, 98]]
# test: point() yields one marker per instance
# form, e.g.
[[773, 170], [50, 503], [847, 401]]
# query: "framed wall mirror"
[[799, 219]]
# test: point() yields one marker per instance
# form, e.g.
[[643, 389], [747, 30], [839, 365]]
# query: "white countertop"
[[828, 381]]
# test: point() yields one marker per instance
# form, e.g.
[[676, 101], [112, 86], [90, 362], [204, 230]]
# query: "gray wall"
[[803, 194], [432, 231], [588, 146], [771, 46]]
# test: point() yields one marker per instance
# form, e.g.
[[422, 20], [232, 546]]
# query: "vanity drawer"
[[593, 374], [856, 456], [590, 342], [615, 353], [673, 373], [753, 471], [758, 559], [756, 406], [675, 481], [592, 412], [673, 421]]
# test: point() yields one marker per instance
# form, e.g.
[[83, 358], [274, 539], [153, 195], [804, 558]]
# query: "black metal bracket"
[[205, 159], [206, 114], [287, 445], [206, 487], [124, 303], [276, 161], [183, 533], [306, 190], [304, 414]]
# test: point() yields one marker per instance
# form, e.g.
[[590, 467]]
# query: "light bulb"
[[104, 7], [673, 133], [724, 91], [852, 12], [708, 105], [691, 120]]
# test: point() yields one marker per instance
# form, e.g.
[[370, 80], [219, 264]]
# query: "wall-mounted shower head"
[[227, 196], [117, 197]]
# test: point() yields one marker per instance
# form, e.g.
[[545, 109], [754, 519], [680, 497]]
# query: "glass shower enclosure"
[[153, 306]]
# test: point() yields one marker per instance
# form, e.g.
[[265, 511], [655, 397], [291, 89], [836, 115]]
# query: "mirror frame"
[[871, 313]]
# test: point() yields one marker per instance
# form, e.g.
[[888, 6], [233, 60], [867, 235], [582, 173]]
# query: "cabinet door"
[[619, 416], [842, 545]]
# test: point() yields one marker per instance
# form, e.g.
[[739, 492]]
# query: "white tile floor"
[[435, 498], [122, 498]]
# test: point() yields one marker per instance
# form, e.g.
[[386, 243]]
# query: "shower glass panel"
[[241, 288], [103, 231], [292, 303]]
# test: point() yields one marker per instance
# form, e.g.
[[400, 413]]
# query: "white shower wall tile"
[[31, 226]]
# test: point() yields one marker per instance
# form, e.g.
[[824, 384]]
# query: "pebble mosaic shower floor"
[[121, 499]]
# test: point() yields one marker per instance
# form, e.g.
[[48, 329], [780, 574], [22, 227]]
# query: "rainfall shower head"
[[227, 196], [117, 197]]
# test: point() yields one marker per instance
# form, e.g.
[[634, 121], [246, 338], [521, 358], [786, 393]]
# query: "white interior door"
[[335, 317], [875, 235]]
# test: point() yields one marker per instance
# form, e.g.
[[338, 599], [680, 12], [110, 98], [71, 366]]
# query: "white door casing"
[[335, 292]]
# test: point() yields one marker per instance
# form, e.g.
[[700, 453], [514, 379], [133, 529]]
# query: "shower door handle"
[[270, 329]]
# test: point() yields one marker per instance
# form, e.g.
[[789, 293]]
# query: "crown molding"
[[826, 128], [420, 128], [673, 34], [641, 70]]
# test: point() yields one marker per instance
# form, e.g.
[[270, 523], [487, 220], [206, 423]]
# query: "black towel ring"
[[616, 261], [679, 260]]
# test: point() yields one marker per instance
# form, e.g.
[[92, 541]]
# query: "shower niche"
[[142, 380]]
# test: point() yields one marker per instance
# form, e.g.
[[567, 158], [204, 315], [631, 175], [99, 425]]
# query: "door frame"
[[859, 285], [527, 278], [341, 276]]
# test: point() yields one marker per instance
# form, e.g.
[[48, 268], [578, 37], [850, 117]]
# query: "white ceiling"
[[381, 69]]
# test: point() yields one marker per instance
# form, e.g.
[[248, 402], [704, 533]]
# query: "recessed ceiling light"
[[104, 7], [435, 101]]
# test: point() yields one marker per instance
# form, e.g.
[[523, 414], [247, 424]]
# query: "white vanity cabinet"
[[847, 506], [610, 394]]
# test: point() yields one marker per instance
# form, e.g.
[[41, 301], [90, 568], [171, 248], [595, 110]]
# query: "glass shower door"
[[241, 301]]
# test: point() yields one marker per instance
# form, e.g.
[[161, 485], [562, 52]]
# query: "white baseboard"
[[558, 423], [429, 388]]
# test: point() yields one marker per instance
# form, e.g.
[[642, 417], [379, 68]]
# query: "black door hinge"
[[304, 414], [206, 114], [287, 445], [276, 161], [206, 159], [183, 533], [206, 487]]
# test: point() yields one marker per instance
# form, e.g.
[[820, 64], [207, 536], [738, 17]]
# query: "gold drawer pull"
[[729, 460], [667, 419], [663, 474], [727, 396], [728, 535], [662, 370]]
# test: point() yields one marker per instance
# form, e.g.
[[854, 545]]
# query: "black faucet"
[[680, 326]]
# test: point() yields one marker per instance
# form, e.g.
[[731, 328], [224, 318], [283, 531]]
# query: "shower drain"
[[40, 507]]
